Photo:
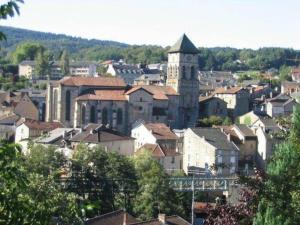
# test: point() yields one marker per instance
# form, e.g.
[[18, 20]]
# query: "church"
[[76, 101]]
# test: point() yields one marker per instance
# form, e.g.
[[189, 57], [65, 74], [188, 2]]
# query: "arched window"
[[104, 116], [68, 105], [83, 109], [119, 116], [55, 105], [93, 114], [192, 72], [183, 72]]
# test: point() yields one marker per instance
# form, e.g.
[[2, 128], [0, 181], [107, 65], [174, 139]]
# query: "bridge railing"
[[201, 183]]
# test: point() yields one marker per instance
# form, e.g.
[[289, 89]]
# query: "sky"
[[208, 23]]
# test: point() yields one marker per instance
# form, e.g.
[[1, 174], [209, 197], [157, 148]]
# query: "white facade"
[[142, 136], [200, 153]]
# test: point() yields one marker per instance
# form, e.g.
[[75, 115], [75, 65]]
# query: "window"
[[220, 159], [173, 159], [104, 116], [232, 169], [119, 116], [83, 109], [183, 72], [232, 159], [68, 105], [140, 108], [93, 114], [141, 99], [192, 72]]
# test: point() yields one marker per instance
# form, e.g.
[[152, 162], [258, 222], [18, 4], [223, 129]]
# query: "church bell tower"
[[183, 77]]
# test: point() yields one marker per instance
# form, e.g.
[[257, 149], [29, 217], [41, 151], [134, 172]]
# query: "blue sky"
[[208, 23]]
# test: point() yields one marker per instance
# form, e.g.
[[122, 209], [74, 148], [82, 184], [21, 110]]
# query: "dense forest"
[[229, 59]]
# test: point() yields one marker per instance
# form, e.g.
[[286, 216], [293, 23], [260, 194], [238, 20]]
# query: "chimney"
[[124, 218], [162, 218]]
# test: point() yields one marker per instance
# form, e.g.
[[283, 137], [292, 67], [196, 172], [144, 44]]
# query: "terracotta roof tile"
[[112, 218], [161, 131], [157, 151], [93, 81], [105, 95], [158, 92], [44, 126]]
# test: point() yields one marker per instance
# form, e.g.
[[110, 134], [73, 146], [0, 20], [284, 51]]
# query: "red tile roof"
[[161, 131], [158, 92], [44, 126], [93, 81], [157, 151], [112, 218], [105, 95]]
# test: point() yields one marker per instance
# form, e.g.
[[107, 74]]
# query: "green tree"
[[65, 63], [154, 193], [42, 64], [9, 9], [285, 73], [29, 198], [26, 51], [280, 201]]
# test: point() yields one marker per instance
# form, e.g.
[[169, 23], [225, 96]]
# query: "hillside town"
[[158, 108], [106, 133]]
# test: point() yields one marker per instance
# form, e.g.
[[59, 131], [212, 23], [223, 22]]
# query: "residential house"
[[164, 220], [296, 75], [29, 129], [100, 135], [26, 108], [288, 87], [8, 126], [60, 138], [209, 149], [119, 217], [150, 79], [170, 159], [237, 99], [38, 97], [246, 140], [280, 105], [210, 105], [27, 69], [154, 133]]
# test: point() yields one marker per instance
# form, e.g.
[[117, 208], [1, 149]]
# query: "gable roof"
[[95, 133], [170, 220], [244, 130], [43, 126], [26, 108], [215, 137], [158, 151], [158, 92], [93, 81], [184, 45], [112, 218], [160, 131]]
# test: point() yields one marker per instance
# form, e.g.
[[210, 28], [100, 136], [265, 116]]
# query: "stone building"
[[76, 101]]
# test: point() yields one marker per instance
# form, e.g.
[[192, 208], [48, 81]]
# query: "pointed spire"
[[184, 45]]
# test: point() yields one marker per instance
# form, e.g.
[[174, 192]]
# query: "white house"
[[153, 133], [210, 151]]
